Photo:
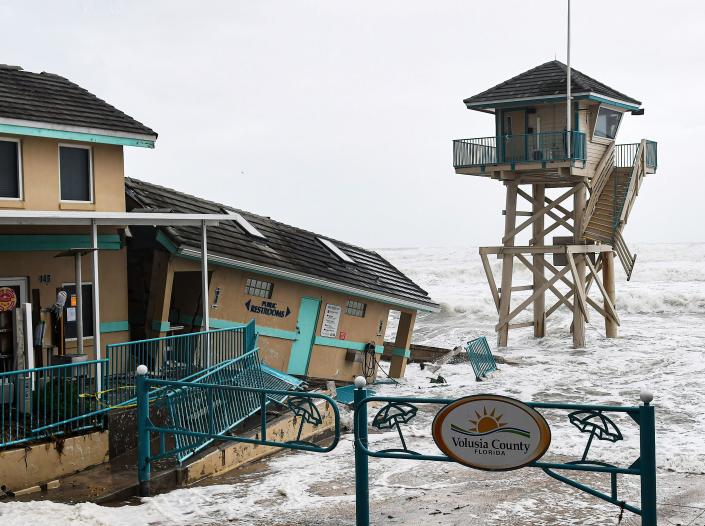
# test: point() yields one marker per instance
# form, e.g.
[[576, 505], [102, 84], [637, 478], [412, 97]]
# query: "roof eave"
[[75, 133], [586, 95]]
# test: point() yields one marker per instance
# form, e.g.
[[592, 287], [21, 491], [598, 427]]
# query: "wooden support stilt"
[[607, 259], [490, 279], [577, 264], [507, 263], [537, 239]]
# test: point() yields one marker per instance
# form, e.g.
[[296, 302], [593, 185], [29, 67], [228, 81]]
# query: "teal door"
[[306, 329]]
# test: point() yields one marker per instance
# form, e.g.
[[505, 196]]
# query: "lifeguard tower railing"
[[45, 402], [540, 147], [521, 148]]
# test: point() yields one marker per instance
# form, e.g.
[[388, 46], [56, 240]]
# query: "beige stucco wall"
[[40, 167], [326, 362], [24, 467], [113, 285]]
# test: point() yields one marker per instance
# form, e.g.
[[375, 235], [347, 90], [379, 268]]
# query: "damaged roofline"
[[195, 254]]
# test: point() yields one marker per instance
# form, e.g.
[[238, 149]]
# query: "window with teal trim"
[[262, 289], [356, 308]]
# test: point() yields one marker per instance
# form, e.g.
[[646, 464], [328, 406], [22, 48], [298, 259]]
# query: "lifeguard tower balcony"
[[533, 151]]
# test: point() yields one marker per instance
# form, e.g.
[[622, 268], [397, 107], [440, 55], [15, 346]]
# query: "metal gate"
[[594, 420]]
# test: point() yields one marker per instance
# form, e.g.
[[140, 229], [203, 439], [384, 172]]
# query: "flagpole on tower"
[[567, 98]]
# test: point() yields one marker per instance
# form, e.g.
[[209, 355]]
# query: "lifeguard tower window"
[[10, 172], [356, 308], [70, 310], [255, 287], [75, 173], [607, 123]]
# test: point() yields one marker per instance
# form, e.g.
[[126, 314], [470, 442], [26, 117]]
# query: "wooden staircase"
[[612, 195]]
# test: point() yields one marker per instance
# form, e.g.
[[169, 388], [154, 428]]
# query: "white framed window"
[[607, 123], [256, 287], [75, 173], [356, 308], [10, 169]]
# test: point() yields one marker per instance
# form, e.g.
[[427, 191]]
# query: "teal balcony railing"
[[625, 154], [525, 148]]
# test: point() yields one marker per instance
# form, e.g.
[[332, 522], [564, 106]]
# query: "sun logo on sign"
[[487, 421]]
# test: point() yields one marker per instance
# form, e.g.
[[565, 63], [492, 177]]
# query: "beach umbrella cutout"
[[392, 415], [306, 411], [597, 424]]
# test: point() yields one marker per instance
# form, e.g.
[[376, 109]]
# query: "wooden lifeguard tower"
[[549, 156]]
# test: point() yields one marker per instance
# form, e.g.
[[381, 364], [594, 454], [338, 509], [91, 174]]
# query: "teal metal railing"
[[217, 411], [592, 420], [523, 148], [171, 357], [48, 401], [480, 357], [38, 403], [625, 154], [206, 403], [475, 152]]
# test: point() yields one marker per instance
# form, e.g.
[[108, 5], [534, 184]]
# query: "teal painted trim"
[[221, 324], [623, 105], [160, 326], [74, 136], [114, 326], [405, 353], [270, 332], [340, 344], [40, 242], [167, 243], [345, 344], [549, 100]]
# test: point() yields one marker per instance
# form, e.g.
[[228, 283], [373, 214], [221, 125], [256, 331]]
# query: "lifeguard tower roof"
[[547, 83]]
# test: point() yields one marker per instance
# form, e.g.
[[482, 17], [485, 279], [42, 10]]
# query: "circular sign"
[[490, 432], [8, 299]]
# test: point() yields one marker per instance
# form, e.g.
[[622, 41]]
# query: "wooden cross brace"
[[540, 212]]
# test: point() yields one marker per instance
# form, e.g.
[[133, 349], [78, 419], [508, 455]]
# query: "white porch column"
[[96, 306], [79, 302], [204, 288]]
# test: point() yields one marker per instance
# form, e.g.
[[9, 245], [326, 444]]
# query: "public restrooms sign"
[[490, 432]]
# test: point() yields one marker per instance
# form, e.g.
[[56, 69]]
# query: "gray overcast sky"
[[339, 116]]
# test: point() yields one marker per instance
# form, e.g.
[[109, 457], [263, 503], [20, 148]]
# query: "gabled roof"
[[546, 80], [49, 98], [287, 252]]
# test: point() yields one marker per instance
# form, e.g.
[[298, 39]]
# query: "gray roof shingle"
[[286, 247], [49, 98], [545, 80]]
